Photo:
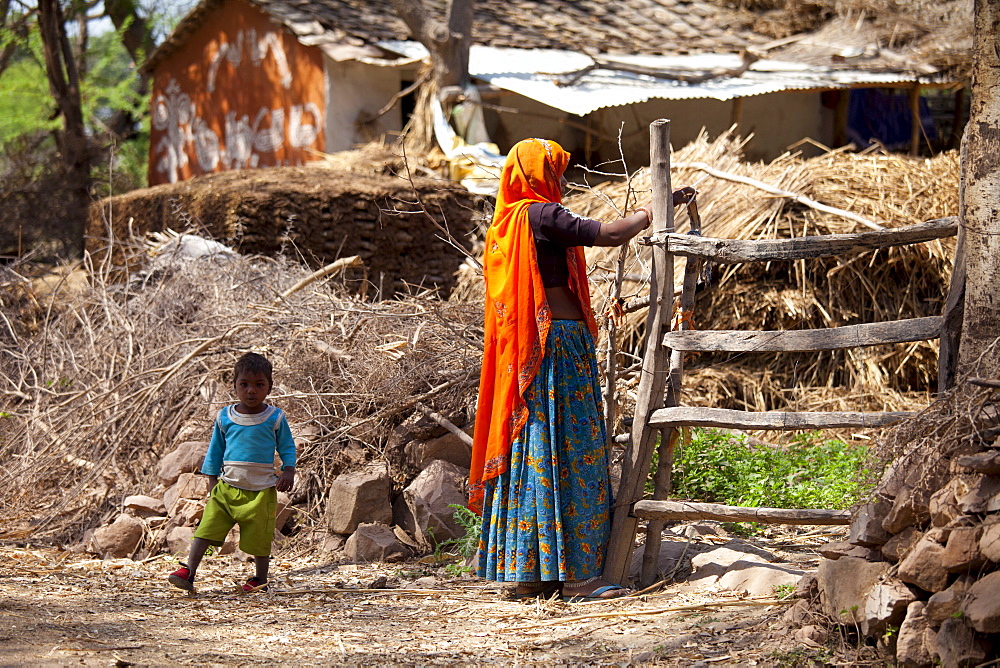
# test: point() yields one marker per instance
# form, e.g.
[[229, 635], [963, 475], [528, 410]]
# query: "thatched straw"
[[891, 190]]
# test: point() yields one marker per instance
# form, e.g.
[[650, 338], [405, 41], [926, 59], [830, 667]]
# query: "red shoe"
[[254, 585], [182, 578]]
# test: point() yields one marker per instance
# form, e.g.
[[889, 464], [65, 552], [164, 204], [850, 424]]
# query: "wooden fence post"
[[639, 452]]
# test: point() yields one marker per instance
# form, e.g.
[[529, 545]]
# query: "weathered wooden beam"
[[652, 378], [686, 510], [733, 251], [804, 340], [776, 420]]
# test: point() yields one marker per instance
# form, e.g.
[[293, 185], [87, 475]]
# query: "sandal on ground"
[[596, 594], [543, 590], [182, 578], [254, 584]]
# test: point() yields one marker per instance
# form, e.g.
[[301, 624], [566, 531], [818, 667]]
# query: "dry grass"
[[115, 375]]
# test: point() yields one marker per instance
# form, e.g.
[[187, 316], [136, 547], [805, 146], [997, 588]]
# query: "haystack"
[[889, 190]]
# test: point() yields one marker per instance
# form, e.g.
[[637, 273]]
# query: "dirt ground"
[[62, 609]]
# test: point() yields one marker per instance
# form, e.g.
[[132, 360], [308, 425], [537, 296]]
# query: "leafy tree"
[[71, 116]]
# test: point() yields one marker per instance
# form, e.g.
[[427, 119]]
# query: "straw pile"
[[890, 190], [116, 374]]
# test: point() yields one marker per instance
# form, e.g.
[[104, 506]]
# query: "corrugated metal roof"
[[539, 74]]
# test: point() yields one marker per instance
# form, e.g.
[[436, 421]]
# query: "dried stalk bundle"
[[890, 190], [117, 374]]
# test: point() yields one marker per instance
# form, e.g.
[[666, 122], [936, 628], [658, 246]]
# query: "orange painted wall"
[[240, 92]]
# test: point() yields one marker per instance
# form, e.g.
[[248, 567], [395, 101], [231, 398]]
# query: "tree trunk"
[[980, 200], [74, 148], [448, 42]]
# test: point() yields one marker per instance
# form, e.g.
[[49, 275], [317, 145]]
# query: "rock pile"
[[919, 570], [364, 517]]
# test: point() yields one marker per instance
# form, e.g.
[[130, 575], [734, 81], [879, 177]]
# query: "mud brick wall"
[[313, 212]]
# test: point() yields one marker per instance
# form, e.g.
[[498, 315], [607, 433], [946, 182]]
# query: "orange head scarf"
[[517, 314]]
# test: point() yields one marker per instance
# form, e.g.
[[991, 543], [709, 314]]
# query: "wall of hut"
[[241, 92]]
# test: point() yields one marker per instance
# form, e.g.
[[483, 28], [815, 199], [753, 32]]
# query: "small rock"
[[962, 552], [120, 538], [866, 529], [885, 605], [980, 497], [188, 486], [179, 541], [984, 462], [900, 544], [186, 458], [812, 636], [359, 497], [922, 566], [982, 604], [375, 542], [956, 644], [989, 541], [911, 646], [144, 506], [430, 498], [843, 548]]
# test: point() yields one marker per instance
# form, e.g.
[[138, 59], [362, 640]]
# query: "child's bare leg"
[[262, 564], [198, 548]]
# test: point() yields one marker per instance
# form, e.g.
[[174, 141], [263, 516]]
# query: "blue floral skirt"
[[547, 517]]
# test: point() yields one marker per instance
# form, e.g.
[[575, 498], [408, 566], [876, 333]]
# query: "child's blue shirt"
[[243, 446]]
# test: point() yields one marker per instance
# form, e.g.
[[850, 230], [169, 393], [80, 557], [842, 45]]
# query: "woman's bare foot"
[[535, 589]]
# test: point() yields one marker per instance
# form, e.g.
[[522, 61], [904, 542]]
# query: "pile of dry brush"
[[102, 380]]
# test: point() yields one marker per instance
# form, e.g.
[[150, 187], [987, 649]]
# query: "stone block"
[[909, 509], [119, 539], [867, 529], [989, 540], [911, 645], [900, 544], [357, 498], [922, 566], [449, 448], [946, 603], [186, 458], [885, 605], [962, 552], [843, 548], [188, 486], [179, 541], [981, 495], [984, 462], [144, 506], [844, 584], [956, 644], [943, 504], [430, 498], [981, 606], [187, 512], [375, 542]]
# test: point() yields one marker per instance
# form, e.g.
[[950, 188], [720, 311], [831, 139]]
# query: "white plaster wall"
[[352, 88]]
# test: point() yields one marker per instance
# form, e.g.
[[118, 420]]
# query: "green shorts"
[[253, 511]]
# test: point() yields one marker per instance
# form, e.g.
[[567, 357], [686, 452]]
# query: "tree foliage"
[[73, 113]]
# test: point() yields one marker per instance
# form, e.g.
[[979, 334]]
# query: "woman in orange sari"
[[539, 473]]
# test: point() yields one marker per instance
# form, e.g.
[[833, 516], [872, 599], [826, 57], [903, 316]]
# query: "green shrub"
[[810, 472]]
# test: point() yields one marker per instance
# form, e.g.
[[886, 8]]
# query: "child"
[[244, 441]]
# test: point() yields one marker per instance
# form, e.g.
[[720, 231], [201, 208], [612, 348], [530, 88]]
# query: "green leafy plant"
[[467, 544], [809, 472], [784, 591]]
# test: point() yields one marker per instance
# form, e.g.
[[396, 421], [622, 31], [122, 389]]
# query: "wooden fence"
[[657, 412]]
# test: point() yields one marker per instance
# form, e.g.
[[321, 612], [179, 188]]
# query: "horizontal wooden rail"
[[771, 420], [686, 510], [732, 251], [802, 340]]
